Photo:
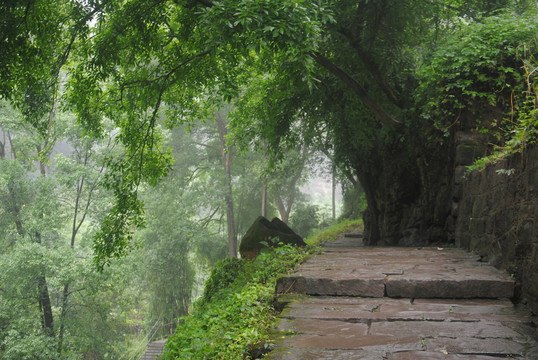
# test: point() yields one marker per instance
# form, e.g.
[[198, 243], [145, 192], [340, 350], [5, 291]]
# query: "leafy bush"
[[479, 68], [223, 274]]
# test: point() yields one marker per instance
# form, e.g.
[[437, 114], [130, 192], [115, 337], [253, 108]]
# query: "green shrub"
[[235, 315], [479, 68], [222, 275]]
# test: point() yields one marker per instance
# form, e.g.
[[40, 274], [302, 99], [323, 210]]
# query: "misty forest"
[[140, 139]]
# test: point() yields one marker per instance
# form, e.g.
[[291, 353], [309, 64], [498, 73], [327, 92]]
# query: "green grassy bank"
[[234, 317]]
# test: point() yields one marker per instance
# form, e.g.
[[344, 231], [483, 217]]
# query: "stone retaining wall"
[[497, 217]]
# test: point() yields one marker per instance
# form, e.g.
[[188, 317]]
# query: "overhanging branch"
[[380, 113]]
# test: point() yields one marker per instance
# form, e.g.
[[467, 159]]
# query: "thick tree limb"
[[373, 69], [380, 113]]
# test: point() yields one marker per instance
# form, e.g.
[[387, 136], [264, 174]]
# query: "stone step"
[[397, 272], [154, 350], [384, 328]]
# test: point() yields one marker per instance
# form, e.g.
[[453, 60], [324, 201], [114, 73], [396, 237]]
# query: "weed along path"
[[353, 302]]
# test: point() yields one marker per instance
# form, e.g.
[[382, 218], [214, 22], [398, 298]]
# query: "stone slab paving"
[[401, 303], [398, 272]]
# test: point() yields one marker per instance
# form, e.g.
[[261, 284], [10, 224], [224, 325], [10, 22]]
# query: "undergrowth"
[[232, 320], [234, 317]]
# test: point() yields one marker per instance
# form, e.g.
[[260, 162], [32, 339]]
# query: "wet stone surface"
[[397, 272], [458, 310]]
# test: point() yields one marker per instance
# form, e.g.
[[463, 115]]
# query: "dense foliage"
[[484, 76], [235, 315], [379, 87], [479, 68], [51, 210], [53, 305], [338, 74]]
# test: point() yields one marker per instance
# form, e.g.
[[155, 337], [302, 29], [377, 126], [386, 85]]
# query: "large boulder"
[[263, 233]]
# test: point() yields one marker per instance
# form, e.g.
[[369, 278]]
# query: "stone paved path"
[[401, 303], [154, 350]]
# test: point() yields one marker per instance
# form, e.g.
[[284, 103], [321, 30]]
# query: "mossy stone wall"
[[497, 217]]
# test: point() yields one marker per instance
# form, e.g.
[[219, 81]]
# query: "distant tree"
[[304, 219], [52, 302], [285, 179]]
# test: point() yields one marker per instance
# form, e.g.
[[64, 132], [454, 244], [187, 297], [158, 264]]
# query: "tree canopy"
[[341, 74]]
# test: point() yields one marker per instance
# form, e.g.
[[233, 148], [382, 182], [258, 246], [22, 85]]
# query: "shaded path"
[[401, 303]]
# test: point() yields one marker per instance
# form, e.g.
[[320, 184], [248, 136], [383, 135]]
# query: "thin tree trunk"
[[43, 289], [77, 223], [227, 161], [12, 146], [264, 198], [282, 209], [264, 186], [47, 319], [14, 206], [239, 219], [65, 295], [2, 149], [333, 200]]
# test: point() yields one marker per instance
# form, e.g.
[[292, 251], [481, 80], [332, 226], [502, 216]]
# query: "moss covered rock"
[[264, 233]]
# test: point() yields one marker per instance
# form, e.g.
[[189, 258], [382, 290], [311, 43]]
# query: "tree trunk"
[[47, 319], [408, 195], [285, 209], [65, 295], [282, 209], [2, 149], [12, 205], [227, 162], [43, 297], [43, 289], [333, 192]]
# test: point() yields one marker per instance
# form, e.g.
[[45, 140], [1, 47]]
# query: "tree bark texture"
[[408, 195]]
